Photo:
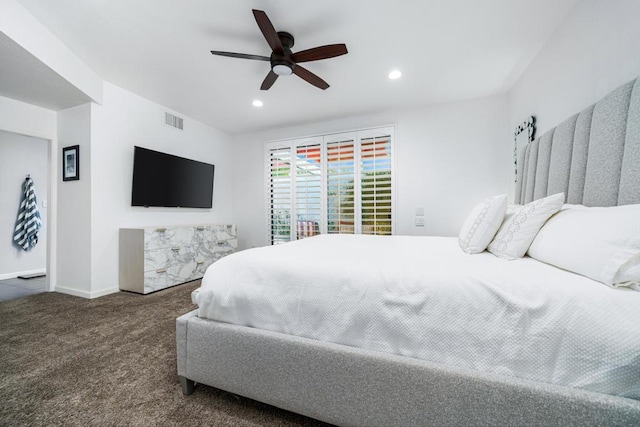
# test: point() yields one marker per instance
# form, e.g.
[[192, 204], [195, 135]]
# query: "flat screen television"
[[161, 179]]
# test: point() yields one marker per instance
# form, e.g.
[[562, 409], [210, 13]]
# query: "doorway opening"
[[23, 268]]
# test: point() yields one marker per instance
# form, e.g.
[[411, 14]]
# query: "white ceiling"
[[448, 50]]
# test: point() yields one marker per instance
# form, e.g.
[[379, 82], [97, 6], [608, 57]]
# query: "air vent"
[[173, 121]]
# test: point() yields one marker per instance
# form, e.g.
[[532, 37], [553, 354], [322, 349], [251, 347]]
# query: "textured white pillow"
[[482, 223], [629, 274], [521, 226], [600, 243]]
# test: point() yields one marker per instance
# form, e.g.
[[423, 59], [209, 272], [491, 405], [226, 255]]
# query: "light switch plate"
[[419, 211], [419, 221]]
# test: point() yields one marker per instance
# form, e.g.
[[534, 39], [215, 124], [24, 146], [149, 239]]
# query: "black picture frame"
[[71, 163]]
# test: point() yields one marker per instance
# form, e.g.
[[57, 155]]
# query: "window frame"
[[357, 135]]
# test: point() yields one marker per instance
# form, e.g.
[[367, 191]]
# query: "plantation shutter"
[[280, 200], [341, 174], [339, 183], [308, 188], [375, 183]]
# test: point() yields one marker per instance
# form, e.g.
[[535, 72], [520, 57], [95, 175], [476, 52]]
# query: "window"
[[341, 173], [341, 183], [375, 185], [280, 194], [308, 193]]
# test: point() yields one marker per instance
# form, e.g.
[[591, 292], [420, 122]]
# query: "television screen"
[[161, 179]]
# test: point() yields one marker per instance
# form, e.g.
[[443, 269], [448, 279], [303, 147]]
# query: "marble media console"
[[154, 258]]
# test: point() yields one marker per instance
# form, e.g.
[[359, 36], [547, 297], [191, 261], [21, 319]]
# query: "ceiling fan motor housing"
[[286, 39], [283, 65]]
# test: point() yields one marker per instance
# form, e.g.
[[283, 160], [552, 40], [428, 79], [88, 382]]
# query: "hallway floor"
[[18, 288]]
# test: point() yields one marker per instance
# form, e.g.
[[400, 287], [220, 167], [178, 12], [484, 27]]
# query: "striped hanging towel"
[[28, 223]]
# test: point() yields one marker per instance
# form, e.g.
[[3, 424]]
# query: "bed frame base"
[[349, 386], [187, 385]]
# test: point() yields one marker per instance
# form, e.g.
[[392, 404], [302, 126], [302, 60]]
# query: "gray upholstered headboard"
[[593, 157]]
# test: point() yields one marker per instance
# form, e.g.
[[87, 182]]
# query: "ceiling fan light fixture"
[[282, 70], [395, 74]]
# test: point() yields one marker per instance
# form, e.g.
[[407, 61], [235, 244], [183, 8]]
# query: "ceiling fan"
[[283, 61]]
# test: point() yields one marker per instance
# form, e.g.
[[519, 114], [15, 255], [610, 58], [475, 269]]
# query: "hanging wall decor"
[[71, 163], [523, 135]]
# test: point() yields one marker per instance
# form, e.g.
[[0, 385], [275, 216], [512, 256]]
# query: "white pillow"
[[629, 275], [521, 226], [482, 223], [600, 243]]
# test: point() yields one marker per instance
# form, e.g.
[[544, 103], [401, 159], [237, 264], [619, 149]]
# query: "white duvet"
[[422, 297]]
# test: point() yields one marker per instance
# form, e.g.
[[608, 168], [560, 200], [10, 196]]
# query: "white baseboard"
[[104, 292], [72, 291], [85, 294], [6, 276]]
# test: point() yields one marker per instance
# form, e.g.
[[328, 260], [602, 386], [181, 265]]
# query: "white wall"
[[593, 51], [123, 121], [74, 200], [21, 155], [449, 157]]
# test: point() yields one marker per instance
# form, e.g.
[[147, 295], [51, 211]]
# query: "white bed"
[[424, 298], [416, 332]]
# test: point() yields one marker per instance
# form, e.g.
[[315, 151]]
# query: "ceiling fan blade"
[[268, 31], [241, 55], [308, 76], [269, 81], [320, 52]]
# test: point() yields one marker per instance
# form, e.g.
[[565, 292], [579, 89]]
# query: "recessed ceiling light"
[[395, 74], [257, 103]]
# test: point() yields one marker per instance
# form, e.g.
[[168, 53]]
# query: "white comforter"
[[423, 297]]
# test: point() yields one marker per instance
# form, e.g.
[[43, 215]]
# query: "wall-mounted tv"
[[161, 179]]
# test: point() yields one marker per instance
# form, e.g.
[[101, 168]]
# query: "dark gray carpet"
[[109, 361]]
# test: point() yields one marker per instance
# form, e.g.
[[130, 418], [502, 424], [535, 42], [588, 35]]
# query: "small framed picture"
[[71, 163]]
